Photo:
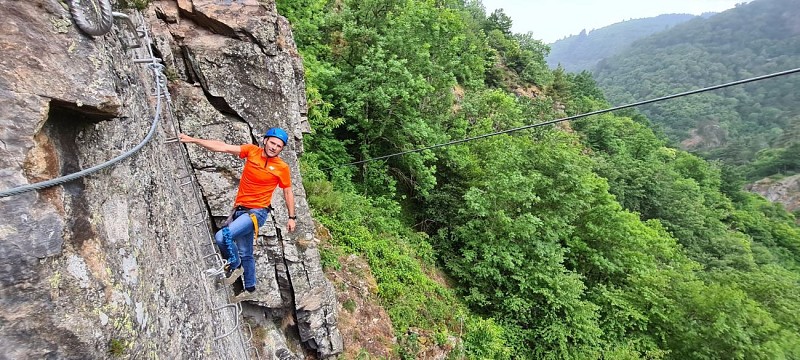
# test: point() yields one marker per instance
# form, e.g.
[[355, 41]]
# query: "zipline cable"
[[668, 97]]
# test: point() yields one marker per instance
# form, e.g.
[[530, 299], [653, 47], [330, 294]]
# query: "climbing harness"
[[93, 17], [233, 256]]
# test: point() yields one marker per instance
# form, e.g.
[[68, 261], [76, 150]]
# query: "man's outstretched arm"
[[289, 197], [213, 145]]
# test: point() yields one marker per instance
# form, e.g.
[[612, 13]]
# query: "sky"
[[551, 20]]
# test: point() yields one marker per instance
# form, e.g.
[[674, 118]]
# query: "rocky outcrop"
[[114, 264], [785, 191]]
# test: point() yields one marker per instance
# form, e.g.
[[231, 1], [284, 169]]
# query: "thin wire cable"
[[691, 92], [67, 178]]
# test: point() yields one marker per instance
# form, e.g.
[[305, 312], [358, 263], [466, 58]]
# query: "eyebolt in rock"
[[93, 17]]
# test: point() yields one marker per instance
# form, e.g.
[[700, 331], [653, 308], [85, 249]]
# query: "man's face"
[[273, 146]]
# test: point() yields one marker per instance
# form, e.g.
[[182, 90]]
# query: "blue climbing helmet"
[[278, 133]]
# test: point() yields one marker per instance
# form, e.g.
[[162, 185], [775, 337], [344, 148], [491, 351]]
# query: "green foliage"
[[133, 4], [522, 55], [484, 339], [743, 125], [684, 193], [399, 61], [399, 259], [329, 258], [504, 245], [589, 240], [117, 347], [316, 75], [499, 21], [349, 305], [364, 226], [776, 161]]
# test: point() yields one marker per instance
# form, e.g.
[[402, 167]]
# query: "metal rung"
[[250, 341], [199, 222], [127, 21], [171, 140], [187, 183], [213, 272], [258, 355], [150, 60], [250, 329], [218, 257], [236, 326], [214, 254]]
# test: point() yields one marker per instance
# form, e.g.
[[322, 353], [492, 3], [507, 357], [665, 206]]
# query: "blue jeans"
[[235, 242]]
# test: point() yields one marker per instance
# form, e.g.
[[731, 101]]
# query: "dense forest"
[[581, 52], [589, 239], [754, 128]]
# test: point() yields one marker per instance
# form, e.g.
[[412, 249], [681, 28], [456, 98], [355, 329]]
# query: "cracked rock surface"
[[115, 263]]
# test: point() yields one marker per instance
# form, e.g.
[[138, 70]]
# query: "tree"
[[498, 20]]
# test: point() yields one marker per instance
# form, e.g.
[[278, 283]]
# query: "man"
[[263, 172]]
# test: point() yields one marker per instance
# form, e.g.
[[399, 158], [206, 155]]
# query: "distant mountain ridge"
[[754, 126], [583, 51]]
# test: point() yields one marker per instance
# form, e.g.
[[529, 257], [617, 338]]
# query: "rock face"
[[114, 264], [785, 191]]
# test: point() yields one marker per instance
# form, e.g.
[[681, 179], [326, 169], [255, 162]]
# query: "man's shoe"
[[232, 276], [243, 296]]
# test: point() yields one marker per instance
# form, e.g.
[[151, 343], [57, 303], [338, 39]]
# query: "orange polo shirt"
[[260, 177]]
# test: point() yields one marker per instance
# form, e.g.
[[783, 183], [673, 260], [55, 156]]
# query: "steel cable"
[[66, 178], [454, 142], [102, 16]]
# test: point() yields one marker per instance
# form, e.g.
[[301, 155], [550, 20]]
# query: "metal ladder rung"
[[127, 21], [214, 254], [157, 65], [149, 60], [238, 315]]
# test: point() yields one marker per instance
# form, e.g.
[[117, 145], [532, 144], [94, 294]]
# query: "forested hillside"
[[581, 52], [586, 240], [756, 126]]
